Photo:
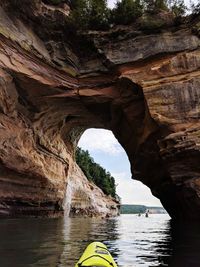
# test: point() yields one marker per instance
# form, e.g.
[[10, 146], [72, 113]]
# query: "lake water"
[[133, 241]]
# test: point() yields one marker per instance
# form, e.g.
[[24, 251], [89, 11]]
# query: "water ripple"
[[133, 241]]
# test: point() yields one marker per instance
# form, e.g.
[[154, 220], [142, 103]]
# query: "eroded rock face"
[[86, 199], [55, 84]]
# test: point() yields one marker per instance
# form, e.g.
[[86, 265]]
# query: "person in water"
[[147, 213]]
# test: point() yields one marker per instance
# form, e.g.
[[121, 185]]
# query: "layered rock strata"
[[86, 199], [55, 84]]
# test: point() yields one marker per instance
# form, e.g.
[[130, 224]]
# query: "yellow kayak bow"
[[96, 254]]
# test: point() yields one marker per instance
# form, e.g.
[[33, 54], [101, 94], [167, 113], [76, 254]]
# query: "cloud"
[[111, 3], [133, 192], [100, 140]]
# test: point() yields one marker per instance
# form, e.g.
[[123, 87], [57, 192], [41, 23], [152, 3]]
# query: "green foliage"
[[155, 6], [94, 172], [99, 15], [132, 209], [95, 14], [161, 4], [135, 209], [127, 11], [178, 7], [80, 14], [90, 14], [196, 9]]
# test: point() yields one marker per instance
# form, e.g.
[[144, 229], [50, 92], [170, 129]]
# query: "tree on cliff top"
[[95, 14], [99, 15], [178, 7], [90, 14], [80, 14], [127, 11], [155, 6], [195, 9], [94, 172]]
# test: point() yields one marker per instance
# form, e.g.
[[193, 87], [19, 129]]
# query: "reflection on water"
[[133, 241], [79, 232], [186, 245], [30, 242]]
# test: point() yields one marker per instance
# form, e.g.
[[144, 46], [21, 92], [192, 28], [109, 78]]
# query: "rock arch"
[[145, 88]]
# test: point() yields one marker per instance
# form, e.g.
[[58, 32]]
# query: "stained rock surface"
[[54, 84]]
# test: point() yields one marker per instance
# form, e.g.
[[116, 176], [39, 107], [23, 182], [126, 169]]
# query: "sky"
[[105, 150]]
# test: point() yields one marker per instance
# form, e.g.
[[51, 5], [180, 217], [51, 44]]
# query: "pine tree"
[[195, 8], [80, 14], [127, 11], [155, 6], [90, 14], [99, 15], [178, 7], [94, 172]]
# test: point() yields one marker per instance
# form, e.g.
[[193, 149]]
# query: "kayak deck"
[[96, 254]]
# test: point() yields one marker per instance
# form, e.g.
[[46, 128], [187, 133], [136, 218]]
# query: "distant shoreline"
[[136, 209]]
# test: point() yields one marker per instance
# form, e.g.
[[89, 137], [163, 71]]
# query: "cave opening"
[[105, 150], [44, 139]]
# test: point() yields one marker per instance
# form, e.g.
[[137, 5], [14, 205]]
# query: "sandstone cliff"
[[86, 199], [54, 84]]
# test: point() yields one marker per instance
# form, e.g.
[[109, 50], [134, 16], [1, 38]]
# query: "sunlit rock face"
[[54, 84], [86, 199]]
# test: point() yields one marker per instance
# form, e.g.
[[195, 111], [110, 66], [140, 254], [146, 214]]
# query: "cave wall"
[[54, 84]]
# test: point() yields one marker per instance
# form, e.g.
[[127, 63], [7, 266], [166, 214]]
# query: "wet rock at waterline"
[[54, 84]]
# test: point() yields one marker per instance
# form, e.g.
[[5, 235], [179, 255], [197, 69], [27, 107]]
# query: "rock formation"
[[86, 199], [54, 84]]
